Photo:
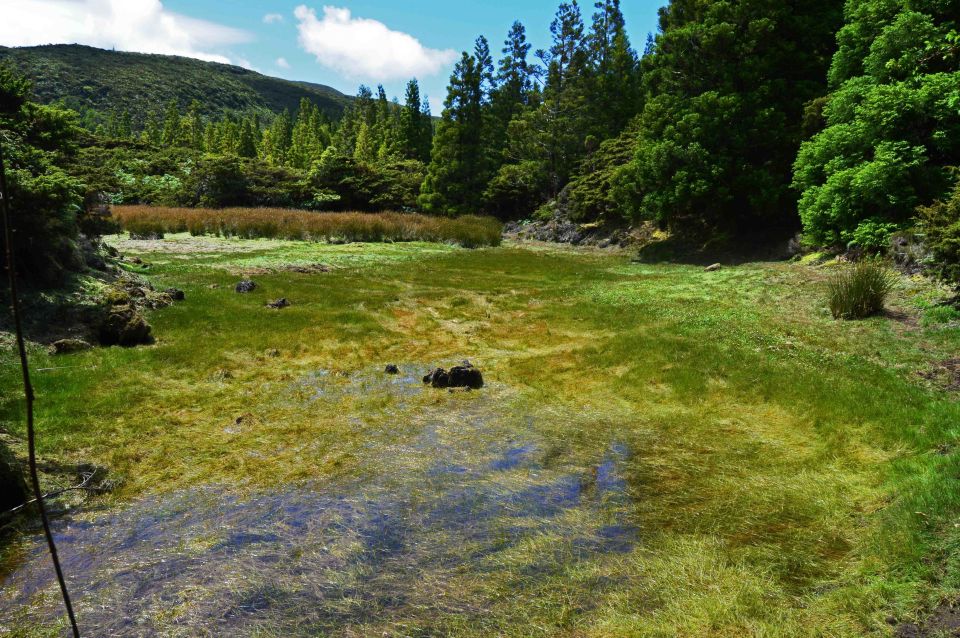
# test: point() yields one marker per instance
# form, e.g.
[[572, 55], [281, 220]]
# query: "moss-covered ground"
[[658, 451]]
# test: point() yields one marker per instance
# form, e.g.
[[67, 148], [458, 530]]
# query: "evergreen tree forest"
[[738, 118]]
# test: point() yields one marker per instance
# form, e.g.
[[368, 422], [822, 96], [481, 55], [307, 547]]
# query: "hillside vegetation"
[[86, 78]]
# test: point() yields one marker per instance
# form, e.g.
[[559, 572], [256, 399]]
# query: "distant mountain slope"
[[87, 78]]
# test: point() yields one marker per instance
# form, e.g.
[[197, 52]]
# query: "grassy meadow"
[[658, 451], [279, 223]]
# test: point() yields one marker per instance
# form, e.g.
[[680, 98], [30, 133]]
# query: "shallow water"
[[454, 502]]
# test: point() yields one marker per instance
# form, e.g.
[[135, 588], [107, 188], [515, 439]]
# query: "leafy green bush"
[[589, 195], [860, 290], [940, 224], [871, 235], [516, 190], [892, 121]]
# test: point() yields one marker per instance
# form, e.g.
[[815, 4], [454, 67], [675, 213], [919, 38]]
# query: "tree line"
[[738, 117]]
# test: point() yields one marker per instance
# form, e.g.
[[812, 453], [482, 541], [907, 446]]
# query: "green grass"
[[788, 475]]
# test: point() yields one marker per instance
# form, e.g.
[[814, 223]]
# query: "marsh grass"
[[860, 290], [788, 476], [277, 223]]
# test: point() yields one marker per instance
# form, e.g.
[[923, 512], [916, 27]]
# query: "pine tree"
[[615, 97], [152, 130], [455, 177], [561, 121], [171, 125], [192, 126], [411, 125], [246, 142], [281, 133], [365, 149], [514, 76]]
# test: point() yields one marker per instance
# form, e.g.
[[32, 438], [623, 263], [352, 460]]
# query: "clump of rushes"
[[860, 290], [468, 231]]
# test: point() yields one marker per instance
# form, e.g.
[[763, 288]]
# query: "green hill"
[[96, 80]]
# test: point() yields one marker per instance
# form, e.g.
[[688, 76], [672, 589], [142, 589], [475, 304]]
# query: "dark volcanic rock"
[[175, 294], [465, 376], [462, 376], [66, 346], [279, 303], [392, 369], [124, 326], [246, 286], [438, 378], [13, 490]]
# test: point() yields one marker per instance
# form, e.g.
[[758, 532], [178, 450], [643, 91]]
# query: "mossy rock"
[[13, 489], [116, 296], [125, 326], [69, 346]]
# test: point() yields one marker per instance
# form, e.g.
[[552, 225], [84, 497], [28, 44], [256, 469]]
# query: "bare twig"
[[82, 486]]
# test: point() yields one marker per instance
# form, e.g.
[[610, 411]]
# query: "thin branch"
[[82, 486], [28, 393]]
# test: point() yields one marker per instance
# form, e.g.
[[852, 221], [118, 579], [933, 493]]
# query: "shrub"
[[940, 224], [871, 235], [861, 290]]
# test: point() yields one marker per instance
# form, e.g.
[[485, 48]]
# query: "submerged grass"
[[783, 474], [279, 223]]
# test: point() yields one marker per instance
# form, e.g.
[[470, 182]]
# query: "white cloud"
[[364, 48], [128, 25], [282, 63], [272, 18]]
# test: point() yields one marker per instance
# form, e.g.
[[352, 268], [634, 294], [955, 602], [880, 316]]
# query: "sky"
[[342, 44]]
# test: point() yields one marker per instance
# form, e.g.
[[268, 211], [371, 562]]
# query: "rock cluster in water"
[[462, 376]]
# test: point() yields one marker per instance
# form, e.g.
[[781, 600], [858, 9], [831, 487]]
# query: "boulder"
[[392, 369], [175, 294], [462, 376], [246, 286], [13, 490], [438, 378], [124, 326], [465, 376], [279, 303], [713, 268], [66, 346]]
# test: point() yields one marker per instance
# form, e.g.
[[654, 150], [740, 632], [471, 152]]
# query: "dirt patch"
[[909, 320], [304, 269], [187, 245], [945, 374], [945, 621]]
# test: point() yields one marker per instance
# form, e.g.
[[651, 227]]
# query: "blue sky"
[[342, 44]]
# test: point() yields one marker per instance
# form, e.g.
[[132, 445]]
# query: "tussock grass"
[[861, 290], [278, 223]]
